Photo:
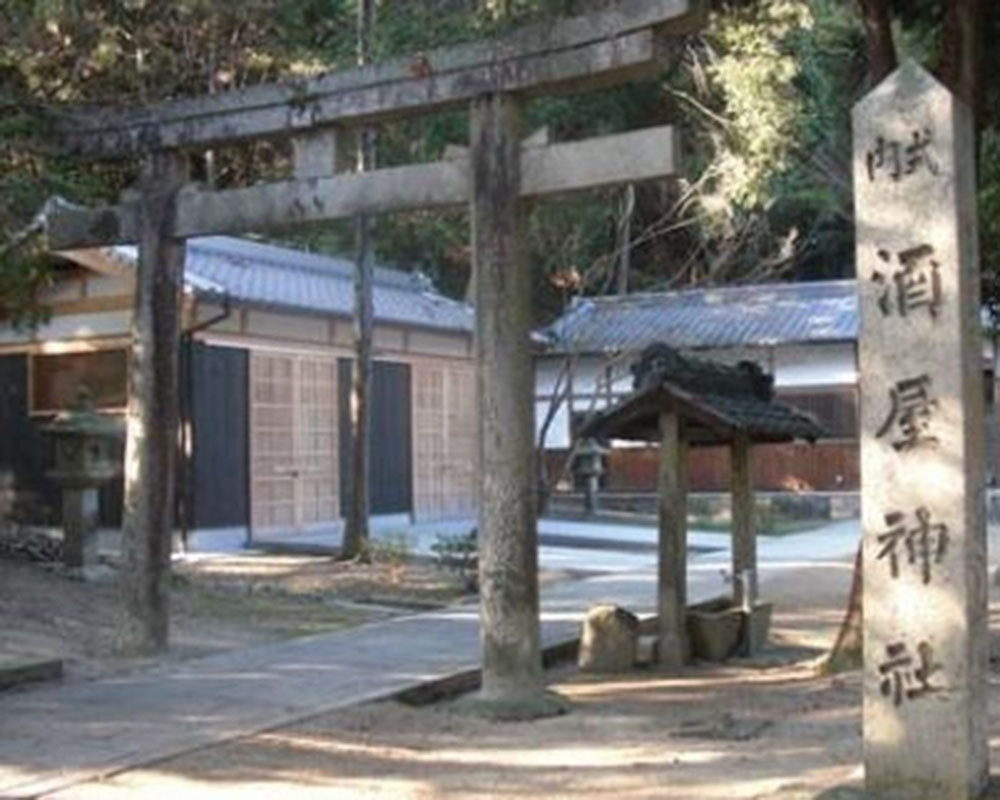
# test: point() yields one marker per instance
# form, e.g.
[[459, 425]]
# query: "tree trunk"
[[356, 533], [962, 33], [878, 32], [848, 650], [147, 524], [625, 238], [508, 534]]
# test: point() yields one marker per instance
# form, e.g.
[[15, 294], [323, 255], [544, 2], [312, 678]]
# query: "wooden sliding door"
[[445, 458], [293, 421]]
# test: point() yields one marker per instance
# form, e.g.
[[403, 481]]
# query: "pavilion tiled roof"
[[716, 403]]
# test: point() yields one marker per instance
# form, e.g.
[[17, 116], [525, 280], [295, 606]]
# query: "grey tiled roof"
[[266, 276], [731, 316], [716, 403]]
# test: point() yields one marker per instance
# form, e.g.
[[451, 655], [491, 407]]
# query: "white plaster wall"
[[386, 338], [286, 326], [793, 366], [343, 332], [557, 437], [588, 374], [71, 326], [815, 365], [61, 292], [438, 344], [230, 324], [109, 286], [762, 356]]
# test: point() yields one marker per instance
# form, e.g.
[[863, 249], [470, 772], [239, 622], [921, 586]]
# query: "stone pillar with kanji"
[[925, 703]]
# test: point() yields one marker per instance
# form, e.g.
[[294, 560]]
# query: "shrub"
[[459, 553]]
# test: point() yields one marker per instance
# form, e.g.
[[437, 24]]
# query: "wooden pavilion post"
[[152, 417], [744, 545], [672, 583]]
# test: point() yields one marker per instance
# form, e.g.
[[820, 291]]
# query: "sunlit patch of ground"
[[731, 732], [216, 604], [767, 729]]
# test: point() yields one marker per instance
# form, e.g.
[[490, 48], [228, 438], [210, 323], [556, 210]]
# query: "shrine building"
[[805, 335], [265, 382]]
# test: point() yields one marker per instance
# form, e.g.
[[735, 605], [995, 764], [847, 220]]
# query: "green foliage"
[[989, 223], [392, 551], [459, 553], [755, 77], [763, 97]]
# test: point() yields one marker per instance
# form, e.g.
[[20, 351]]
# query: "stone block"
[[714, 629], [718, 630], [609, 641], [645, 651], [926, 688]]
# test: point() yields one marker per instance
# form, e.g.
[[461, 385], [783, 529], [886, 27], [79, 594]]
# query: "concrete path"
[[53, 737]]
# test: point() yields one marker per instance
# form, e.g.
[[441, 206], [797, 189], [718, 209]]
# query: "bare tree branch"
[[35, 228]]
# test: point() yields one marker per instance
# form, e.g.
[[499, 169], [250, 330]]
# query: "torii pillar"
[[513, 686]]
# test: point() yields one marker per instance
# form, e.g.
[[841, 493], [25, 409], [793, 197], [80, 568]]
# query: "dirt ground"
[[217, 604], [768, 729]]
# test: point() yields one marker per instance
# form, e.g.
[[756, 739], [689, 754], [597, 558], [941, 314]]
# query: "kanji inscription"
[[912, 406], [916, 284], [900, 158], [904, 677], [924, 544]]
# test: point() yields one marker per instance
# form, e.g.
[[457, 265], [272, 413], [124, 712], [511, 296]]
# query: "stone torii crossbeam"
[[620, 43]]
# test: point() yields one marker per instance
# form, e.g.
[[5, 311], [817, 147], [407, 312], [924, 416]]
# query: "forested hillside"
[[762, 96]]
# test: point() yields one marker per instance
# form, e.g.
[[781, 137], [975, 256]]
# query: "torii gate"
[[622, 42]]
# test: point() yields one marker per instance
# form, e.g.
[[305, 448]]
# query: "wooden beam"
[[672, 650], [612, 43], [629, 157]]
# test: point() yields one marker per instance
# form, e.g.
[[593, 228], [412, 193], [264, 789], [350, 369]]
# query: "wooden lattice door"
[[445, 463], [293, 419], [316, 442]]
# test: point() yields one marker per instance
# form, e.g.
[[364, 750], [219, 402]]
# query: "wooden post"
[[744, 523], [508, 535], [150, 450], [672, 586]]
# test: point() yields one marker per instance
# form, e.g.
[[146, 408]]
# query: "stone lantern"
[[588, 466], [85, 459]]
